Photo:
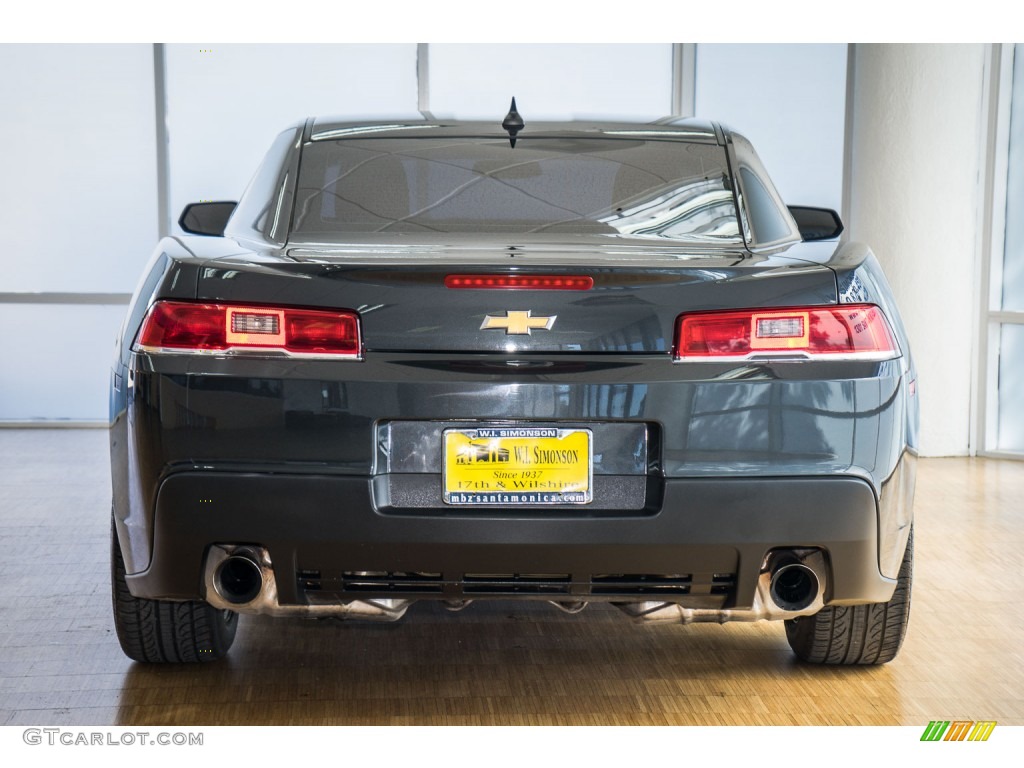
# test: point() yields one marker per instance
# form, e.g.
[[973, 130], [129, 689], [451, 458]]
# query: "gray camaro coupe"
[[455, 361]]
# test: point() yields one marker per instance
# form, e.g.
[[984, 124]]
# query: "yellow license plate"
[[518, 466]]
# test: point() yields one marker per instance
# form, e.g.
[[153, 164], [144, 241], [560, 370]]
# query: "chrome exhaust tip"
[[238, 579], [793, 586]]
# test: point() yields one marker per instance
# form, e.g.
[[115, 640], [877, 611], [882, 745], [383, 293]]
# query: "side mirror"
[[206, 218], [816, 223]]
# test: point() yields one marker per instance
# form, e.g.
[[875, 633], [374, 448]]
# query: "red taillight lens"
[[184, 326], [316, 332], [176, 325], [522, 282], [850, 331]]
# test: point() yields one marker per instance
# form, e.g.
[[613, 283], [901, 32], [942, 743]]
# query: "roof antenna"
[[513, 123]]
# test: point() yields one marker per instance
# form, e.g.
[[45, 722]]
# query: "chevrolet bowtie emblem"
[[517, 323]]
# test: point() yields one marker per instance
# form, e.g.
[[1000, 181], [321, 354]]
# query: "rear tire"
[[857, 634], [163, 631]]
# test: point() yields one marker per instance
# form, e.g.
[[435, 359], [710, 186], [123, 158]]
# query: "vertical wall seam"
[[676, 107], [846, 191], [993, 162], [163, 182], [689, 89], [423, 80], [684, 75], [983, 242]]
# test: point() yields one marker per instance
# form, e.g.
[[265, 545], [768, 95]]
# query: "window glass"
[[573, 185], [1013, 244], [1011, 383]]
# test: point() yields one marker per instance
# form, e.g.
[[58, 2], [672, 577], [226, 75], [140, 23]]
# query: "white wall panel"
[[551, 82], [790, 101], [915, 197], [226, 103], [79, 194], [57, 360]]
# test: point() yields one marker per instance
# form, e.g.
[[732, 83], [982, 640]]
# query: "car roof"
[[688, 129]]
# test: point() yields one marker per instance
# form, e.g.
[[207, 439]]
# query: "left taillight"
[[178, 326], [843, 332]]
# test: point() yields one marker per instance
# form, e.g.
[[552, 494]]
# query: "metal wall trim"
[[30, 297], [684, 79], [423, 80], [163, 173], [54, 424]]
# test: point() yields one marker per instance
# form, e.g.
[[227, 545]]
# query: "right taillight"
[[847, 332], [178, 326]]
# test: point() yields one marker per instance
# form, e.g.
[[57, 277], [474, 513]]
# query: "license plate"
[[518, 466]]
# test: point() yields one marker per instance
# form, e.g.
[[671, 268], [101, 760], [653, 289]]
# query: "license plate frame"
[[518, 466]]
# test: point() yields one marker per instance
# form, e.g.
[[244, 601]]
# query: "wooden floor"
[[501, 663]]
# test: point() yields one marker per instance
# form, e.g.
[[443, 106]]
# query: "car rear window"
[[567, 185]]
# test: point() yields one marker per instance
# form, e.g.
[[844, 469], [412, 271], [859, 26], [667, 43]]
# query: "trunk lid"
[[405, 306]]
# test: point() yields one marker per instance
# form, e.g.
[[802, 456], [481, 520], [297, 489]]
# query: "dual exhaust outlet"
[[791, 583]]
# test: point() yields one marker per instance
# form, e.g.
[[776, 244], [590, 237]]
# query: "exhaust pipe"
[[238, 579], [793, 586], [791, 583], [571, 608]]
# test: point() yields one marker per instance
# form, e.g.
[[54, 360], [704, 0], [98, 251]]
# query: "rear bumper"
[[320, 531]]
